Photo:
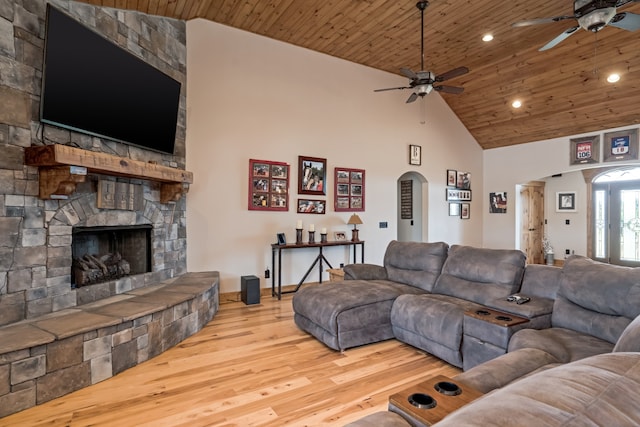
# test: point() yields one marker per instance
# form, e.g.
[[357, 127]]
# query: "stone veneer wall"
[[35, 234]]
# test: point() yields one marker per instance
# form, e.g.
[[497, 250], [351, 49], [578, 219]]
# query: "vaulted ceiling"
[[563, 90]]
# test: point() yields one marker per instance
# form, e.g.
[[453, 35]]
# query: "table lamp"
[[355, 220]]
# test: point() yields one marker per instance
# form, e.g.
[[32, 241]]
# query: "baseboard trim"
[[229, 297]]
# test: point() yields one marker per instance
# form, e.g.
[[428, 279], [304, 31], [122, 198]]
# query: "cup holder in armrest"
[[448, 388], [482, 312], [504, 318], [422, 401]]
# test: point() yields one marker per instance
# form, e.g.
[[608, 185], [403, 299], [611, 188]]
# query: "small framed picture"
[[415, 155], [349, 190], [312, 206], [452, 177], [268, 185], [621, 145], [465, 210], [463, 180], [585, 150], [454, 209], [340, 236], [282, 240], [566, 201], [457, 195], [312, 176]]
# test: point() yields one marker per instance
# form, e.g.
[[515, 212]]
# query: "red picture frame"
[[349, 194], [268, 185]]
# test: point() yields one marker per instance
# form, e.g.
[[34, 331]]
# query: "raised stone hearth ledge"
[[47, 357]]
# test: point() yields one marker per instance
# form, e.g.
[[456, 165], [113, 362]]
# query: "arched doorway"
[[412, 208]]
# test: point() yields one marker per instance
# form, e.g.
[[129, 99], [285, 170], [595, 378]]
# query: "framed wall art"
[[498, 202], [415, 155], [268, 185], [465, 210], [312, 175], [458, 195], [312, 206], [454, 209], [463, 180], [585, 150], [620, 146], [452, 177], [566, 201], [349, 190]]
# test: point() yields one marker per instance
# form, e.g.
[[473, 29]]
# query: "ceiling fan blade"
[[392, 88], [623, 2], [452, 73], [528, 22], [412, 98], [626, 20], [559, 38], [449, 89], [408, 73]]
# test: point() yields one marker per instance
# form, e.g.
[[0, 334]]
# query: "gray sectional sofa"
[[577, 350]]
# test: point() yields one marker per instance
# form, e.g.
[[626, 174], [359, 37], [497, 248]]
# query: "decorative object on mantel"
[[584, 150], [268, 185], [119, 195], [61, 167], [349, 190], [354, 220], [621, 145]]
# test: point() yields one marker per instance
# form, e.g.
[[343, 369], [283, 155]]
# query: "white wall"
[[507, 167], [253, 97]]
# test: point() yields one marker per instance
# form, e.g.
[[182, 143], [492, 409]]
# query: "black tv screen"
[[93, 86]]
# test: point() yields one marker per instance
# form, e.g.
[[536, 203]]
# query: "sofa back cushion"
[[596, 299], [541, 281], [481, 275], [415, 263]]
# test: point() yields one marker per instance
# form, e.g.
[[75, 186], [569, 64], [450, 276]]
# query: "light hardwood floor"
[[250, 366]]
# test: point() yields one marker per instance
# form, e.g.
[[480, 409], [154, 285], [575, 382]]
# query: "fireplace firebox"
[[108, 253]]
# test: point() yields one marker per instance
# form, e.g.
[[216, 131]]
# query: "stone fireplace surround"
[[54, 338]]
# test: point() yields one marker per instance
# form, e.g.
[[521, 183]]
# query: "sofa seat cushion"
[[565, 345], [348, 313], [603, 390], [630, 338], [432, 323]]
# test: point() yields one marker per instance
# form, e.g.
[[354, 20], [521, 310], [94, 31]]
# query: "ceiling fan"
[[592, 15], [423, 82]]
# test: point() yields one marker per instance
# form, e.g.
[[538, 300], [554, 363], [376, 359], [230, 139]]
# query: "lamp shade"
[[354, 219]]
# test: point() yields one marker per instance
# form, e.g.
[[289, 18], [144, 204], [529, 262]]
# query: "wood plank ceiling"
[[560, 92]]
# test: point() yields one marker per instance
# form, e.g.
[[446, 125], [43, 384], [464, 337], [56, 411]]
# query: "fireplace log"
[[92, 269]]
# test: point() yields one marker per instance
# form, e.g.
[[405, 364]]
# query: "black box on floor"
[[250, 289]]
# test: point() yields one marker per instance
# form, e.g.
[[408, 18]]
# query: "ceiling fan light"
[[516, 104], [487, 37], [613, 78]]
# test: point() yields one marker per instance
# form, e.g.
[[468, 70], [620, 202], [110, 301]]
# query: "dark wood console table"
[[275, 248]]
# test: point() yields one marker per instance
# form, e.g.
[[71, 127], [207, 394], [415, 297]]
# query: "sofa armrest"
[[364, 272], [498, 372], [536, 307]]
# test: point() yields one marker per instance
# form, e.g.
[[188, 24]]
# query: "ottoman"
[[348, 313]]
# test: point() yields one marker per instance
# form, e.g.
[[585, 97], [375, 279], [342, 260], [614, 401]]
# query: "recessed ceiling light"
[[516, 104], [487, 38], [612, 78]]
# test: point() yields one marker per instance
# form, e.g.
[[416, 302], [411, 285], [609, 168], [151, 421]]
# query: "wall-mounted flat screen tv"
[[93, 86]]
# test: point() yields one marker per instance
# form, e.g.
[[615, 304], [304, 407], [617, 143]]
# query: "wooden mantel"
[[61, 167]]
